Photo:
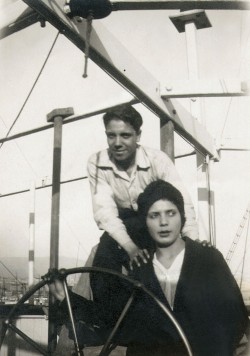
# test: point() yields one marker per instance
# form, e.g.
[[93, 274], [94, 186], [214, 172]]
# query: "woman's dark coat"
[[208, 305]]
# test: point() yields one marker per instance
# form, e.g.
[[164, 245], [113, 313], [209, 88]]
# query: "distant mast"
[[31, 234]]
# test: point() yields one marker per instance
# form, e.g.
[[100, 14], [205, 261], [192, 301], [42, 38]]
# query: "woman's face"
[[164, 223]]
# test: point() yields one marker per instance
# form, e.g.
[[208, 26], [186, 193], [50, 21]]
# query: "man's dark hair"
[[125, 113]]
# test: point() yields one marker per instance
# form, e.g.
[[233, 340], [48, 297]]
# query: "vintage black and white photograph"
[[125, 177]]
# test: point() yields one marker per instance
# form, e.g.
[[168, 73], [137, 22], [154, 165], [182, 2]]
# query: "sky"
[[223, 52]]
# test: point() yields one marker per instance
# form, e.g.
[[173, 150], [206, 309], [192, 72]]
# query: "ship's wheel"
[[62, 275]]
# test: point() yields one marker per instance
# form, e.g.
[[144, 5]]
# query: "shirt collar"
[[157, 263], [141, 160], [177, 263]]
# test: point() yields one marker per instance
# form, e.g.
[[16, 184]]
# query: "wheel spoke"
[[28, 339], [106, 347], [77, 348]]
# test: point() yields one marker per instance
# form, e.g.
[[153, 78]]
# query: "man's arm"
[[168, 172], [105, 209]]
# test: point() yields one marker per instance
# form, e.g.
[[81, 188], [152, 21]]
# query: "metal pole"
[[167, 138], [203, 208], [55, 209], [32, 234], [56, 116], [189, 22], [192, 61]]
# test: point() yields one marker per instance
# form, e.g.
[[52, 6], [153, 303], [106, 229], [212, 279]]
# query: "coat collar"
[[149, 279]]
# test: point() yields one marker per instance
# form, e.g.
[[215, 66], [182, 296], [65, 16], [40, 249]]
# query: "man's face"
[[164, 223], [122, 140]]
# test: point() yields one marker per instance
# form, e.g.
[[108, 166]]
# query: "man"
[[117, 176]]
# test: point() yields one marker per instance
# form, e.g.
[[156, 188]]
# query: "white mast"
[[31, 233]]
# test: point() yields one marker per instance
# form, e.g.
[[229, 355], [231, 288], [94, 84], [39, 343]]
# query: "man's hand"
[[204, 243], [56, 289], [136, 254]]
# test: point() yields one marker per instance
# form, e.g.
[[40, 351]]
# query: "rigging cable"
[[75, 237], [245, 249], [231, 99], [7, 269], [238, 235], [77, 259], [21, 152], [210, 204], [225, 121], [33, 86], [235, 272]]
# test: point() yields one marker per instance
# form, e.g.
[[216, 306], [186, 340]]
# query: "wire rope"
[[21, 152], [245, 250], [32, 88], [7, 269], [239, 69]]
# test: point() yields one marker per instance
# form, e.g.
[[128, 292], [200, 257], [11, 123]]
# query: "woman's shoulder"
[[204, 251]]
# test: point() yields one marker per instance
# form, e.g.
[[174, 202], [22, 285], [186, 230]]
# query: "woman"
[[191, 280]]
